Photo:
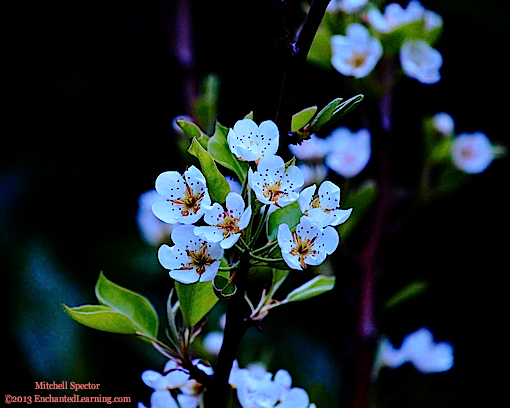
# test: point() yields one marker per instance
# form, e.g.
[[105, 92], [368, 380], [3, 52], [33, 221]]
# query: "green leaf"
[[223, 289], [314, 287], [290, 215], [249, 116], [216, 182], [345, 108], [301, 119], [195, 301], [325, 115], [102, 318], [135, 307], [411, 290], [320, 51], [219, 150], [192, 130]]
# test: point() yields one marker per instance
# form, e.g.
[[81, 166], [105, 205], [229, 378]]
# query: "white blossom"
[[350, 151], [420, 61], [250, 142], [225, 225], [443, 123], [152, 230], [395, 16], [419, 349], [314, 148], [186, 196], [357, 53], [324, 207], [191, 259], [273, 184], [256, 388], [347, 6], [309, 244], [176, 377], [472, 152]]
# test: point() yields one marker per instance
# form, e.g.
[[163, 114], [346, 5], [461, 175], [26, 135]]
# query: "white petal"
[[210, 272], [235, 204], [190, 219], [176, 378], [172, 257], [245, 218], [153, 379], [269, 138], [194, 174], [215, 251], [230, 241], [295, 398], [292, 260], [331, 240], [284, 238], [166, 211], [184, 237], [329, 195], [185, 276], [162, 399], [213, 215], [170, 185], [209, 234], [305, 198], [340, 216]]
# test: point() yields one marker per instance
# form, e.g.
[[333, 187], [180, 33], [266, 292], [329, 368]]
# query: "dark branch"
[[294, 64]]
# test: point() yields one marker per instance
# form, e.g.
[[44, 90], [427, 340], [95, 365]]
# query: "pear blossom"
[[420, 61], [347, 6], [314, 148], [324, 207], [152, 229], [273, 184], [225, 225], [186, 196], [309, 244], [472, 152], [395, 16], [443, 123], [250, 142], [191, 259], [357, 53], [176, 377], [256, 388], [350, 151], [419, 349]]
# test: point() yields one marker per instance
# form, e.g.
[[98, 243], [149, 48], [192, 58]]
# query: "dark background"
[[90, 90]]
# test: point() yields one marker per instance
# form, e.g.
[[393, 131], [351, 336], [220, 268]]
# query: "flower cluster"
[[419, 349], [358, 52], [257, 388], [175, 389], [198, 249], [346, 153], [471, 153]]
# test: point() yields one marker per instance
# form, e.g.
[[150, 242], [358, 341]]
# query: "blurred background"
[[90, 90]]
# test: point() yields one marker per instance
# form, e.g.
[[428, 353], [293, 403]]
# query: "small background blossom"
[[472, 152], [350, 151]]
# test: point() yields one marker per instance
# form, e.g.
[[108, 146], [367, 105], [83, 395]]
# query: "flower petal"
[[235, 204], [184, 237], [210, 272], [172, 257], [166, 211], [170, 185], [230, 241], [305, 198], [185, 276], [209, 234], [245, 218]]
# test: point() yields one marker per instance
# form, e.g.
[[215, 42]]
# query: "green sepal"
[[302, 118], [220, 152], [223, 289], [216, 182], [192, 130], [314, 287], [290, 215]]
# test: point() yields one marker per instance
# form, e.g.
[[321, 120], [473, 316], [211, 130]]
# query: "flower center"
[[467, 153], [228, 224], [272, 191], [303, 247], [189, 203], [358, 60], [200, 259]]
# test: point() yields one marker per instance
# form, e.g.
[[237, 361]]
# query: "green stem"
[[262, 259], [259, 227]]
